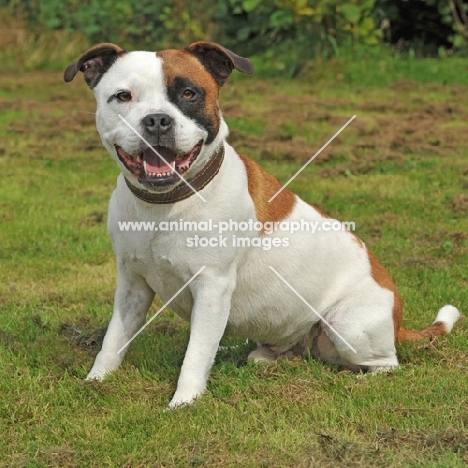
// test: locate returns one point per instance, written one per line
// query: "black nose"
(157, 123)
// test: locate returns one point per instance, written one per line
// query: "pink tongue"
(155, 164)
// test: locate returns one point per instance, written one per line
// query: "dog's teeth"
(158, 174)
(139, 159)
(144, 165)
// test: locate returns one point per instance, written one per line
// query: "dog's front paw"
(179, 399)
(96, 375)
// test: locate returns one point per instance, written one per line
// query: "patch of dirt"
(383, 131)
(381, 107)
(427, 441)
(82, 334)
(459, 204)
(63, 456)
(405, 85)
(42, 119)
(8, 340)
(459, 237)
(332, 450)
(93, 219)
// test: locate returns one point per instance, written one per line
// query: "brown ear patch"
(219, 61)
(262, 186)
(94, 63)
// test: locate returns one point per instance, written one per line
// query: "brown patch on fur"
(383, 278)
(180, 63)
(262, 186)
(436, 329)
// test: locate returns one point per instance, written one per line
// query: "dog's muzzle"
(158, 166)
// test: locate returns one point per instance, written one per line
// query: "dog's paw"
(262, 354)
(179, 399)
(96, 375)
(375, 370)
(180, 402)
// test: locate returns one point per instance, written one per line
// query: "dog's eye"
(124, 96)
(188, 94)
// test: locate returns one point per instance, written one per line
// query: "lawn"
(399, 171)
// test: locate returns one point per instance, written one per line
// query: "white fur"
(448, 315)
(237, 292)
(141, 73)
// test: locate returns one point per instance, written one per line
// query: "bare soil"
(405, 119)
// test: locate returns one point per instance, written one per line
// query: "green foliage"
(129, 22)
(296, 29)
(253, 25)
(306, 26)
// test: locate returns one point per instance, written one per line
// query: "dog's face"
(167, 100)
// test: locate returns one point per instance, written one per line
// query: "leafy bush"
(423, 27)
(135, 22)
(325, 23)
(289, 31)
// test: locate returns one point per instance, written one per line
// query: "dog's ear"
(219, 61)
(94, 63)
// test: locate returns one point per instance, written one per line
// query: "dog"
(323, 295)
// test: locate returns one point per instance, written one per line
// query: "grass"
(399, 171)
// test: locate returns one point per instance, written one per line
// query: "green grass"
(399, 171)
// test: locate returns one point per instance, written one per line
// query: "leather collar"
(182, 191)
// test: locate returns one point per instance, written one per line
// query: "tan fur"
(262, 186)
(436, 329)
(383, 278)
(180, 63)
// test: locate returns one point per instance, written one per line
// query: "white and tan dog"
(323, 294)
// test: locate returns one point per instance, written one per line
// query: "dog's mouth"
(158, 165)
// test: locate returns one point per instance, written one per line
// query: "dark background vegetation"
(295, 30)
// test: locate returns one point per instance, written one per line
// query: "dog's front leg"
(132, 300)
(212, 303)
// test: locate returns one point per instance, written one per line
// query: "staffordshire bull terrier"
(293, 292)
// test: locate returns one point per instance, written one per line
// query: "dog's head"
(157, 113)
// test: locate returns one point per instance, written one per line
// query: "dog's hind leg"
(318, 345)
(133, 298)
(362, 336)
(355, 335)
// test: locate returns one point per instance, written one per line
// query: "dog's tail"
(442, 325)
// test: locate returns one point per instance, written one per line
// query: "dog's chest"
(165, 257)
(159, 258)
